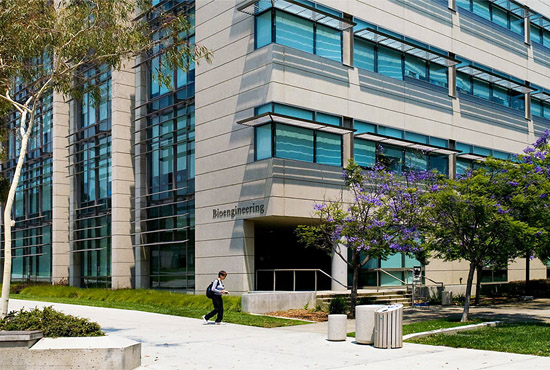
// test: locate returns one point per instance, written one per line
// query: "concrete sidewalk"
(170, 342)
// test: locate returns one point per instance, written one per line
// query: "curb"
(451, 330)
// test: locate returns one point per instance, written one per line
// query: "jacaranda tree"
(45, 44)
(379, 219)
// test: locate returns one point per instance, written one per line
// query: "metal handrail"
(436, 282)
(294, 276)
(395, 277)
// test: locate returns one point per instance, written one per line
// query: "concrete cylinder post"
(337, 325)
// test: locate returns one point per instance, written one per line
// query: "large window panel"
(364, 152)
(516, 24)
(546, 38)
(328, 149)
(263, 29)
(463, 83)
(415, 160)
(546, 110)
(294, 31)
(500, 96)
(294, 143)
(536, 34)
(482, 8)
(438, 75)
(363, 54)
(416, 68)
(263, 142)
(500, 17)
(481, 89)
(536, 107)
(328, 43)
(390, 63)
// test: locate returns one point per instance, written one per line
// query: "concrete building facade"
(167, 186)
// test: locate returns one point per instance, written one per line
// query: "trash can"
(364, 323)
(388, 327)
(446, 298)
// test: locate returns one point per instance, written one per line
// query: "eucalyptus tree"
(44, 44)
(380, 219)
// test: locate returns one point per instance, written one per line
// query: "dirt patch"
(302, 314)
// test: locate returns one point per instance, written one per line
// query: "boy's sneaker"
(205, 322)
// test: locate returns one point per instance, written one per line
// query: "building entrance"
(276, 248)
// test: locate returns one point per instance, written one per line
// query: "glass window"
(389, 131)
(463, 82)
(462, 166)
(517, 100)
(466, 4)
(328, 149)
(294, 143)
(439, 163)
(500, 16)
(481, 8)
(328, 118)
(287, 110)
(328, 43)
(481, 89)
(364, 152)
(390, 157)
(294, 31)
(516, 24)
(363, 127)
(263, 142)
(536, 35)
(536, 107)
(363, 54)
(417, 138)
(415, 160)
(389, 63)
(500, 96)
(438, 75)
(263, 29)
(546, 38)
(546, 110)
(416, 68)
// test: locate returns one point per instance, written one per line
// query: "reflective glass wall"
(31, 236)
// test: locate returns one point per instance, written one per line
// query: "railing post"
(315, 280)
(293, 280)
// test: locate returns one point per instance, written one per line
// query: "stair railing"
(293, 277)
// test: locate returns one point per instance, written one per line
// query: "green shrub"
(435, 297)
(366, 300)
(51, 322)
(338, 305)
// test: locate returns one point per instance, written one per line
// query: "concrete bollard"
(364, 323)
(446, 298)
(337, 327)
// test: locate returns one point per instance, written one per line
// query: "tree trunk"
(468, 293)
(354, 285)
(7, 218)
(527, 273)
(479, 270)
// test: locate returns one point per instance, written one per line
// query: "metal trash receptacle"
(388, 327)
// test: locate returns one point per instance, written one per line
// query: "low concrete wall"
(262, 302)
(108, 352)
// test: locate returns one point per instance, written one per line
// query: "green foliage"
(526, 338)
(142, 296)
(537, 288)
(459, 299)
(337, 305)
(435, 297)
(51, 322)
(166, 303)
(366, 300)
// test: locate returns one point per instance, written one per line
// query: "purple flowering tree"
(524, 187)
(380, 218)
(464, 220)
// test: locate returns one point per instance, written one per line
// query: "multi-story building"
(161, 187)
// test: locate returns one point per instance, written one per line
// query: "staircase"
(364, 296)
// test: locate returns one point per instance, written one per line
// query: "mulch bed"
(302, 314)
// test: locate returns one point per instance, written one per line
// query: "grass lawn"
(186, 305)
(429, 325)
(524, 338)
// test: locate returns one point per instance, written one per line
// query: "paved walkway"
(170, 342)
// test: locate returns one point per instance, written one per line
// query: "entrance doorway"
(276, 247)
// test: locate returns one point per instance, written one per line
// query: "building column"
(347, 43)
(452, 80)
(141, 254)
(527, 26)
(122, 177)
(60, 191)
(339, 269)
(452, 4)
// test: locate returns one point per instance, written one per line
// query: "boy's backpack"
(209, 293)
